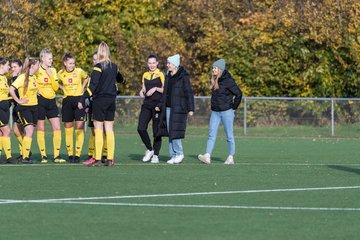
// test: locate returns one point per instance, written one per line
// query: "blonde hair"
(29, 61)
(44, 52)
(214, 81)
(103, 54)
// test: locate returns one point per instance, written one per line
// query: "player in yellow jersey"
(16, 69)
(47, 84)
(27, 101)
(72, 81)
(5, 130)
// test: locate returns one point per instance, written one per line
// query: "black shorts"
(70, 110)
(15, 115)
(28, 115)
(103, 109)
(4, 112)
(47, 108)
(89, 113)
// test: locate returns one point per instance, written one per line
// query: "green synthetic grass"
(262, 163)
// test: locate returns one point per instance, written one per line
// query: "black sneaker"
(103, 159)
(12, 161)
(26, 161)
(71, 159)
(76, 159)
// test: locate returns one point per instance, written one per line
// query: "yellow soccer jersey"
(72, 81)
(47, 86)
(31, 93)
(4, 88)
(151, 76)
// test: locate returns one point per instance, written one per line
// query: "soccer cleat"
(155, 159)
(109, 163)
(59, 160)
(204, 158)
(12, 161)
(71, 159)
(229, 160)
(148, 155)
(103, 159)
(76, 159)
(97, 163)
(44, 160)
(178, 158)
(26, 161)
(90, 161)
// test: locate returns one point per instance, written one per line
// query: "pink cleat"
(89, 161)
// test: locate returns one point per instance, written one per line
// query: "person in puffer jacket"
(225, 99)
(176, 104)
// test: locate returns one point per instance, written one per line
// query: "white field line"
(177, 194)
(188, 164)
(208, 206)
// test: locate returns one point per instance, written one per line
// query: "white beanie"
(175, 60)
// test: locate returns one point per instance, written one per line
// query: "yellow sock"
(91, 146)
(26, 145)
(7, 146)
(105, 148)
(41, 142)
(57, 143)
(69, 140)
(79, 141)
(20, 140)
(99, 141)
(110, 139)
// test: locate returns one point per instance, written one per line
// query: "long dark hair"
(29, 61)
(66, 57)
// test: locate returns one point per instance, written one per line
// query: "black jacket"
(182, 102)
(103, 81)
(228, 96)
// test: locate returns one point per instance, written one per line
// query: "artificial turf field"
(279, 188)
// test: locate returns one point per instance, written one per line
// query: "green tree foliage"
(306, 48)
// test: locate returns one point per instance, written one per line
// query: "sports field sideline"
(279, 188)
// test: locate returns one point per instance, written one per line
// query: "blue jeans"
(175, 145)
(227, 118)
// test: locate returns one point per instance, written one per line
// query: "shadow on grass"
(345, 168)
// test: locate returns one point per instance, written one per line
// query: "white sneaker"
(205, 158)
(171, 161)
(148, 155)
(229, 160)
(155, 159)
(178, 158)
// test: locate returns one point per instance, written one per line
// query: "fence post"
(332, 118)
(245, 130)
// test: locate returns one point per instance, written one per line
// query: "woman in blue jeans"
(225, 99)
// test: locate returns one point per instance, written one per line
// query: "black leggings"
(148, 113)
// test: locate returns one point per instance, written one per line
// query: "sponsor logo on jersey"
(46, 80)
(70, 80)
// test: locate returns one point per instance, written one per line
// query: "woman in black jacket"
(225, 99)
(177, 102)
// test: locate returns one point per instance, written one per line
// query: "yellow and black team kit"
(47, 87)
(27, 112)
(147, 113)
(103, 90)
(5, 142)
(72, 87)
